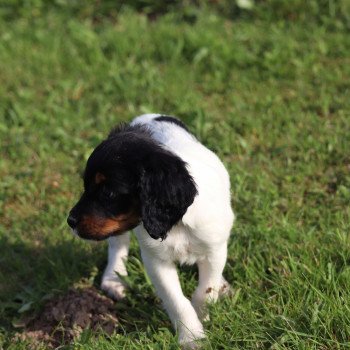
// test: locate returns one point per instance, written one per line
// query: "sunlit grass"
(271, 97)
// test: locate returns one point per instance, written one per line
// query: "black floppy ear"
(166, 191)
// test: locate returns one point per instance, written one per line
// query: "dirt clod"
(64, 318)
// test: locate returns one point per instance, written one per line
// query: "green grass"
(267, 90)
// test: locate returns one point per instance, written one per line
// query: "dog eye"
(107, 194)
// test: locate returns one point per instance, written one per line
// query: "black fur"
(138, 169)
(166, 191)
(169, 119)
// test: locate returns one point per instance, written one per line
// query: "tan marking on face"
(99, 228)
(99, 177)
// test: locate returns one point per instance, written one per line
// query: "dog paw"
(212, 294)
(191, 339)
(225, 288)
(114, 287)
(191, 342)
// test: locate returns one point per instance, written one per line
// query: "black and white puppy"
(153, 176)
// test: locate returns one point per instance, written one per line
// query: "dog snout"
(72, 221)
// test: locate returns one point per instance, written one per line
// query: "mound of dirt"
(65, 317)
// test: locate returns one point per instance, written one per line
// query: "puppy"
(154, 176)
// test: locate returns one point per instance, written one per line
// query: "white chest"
(179, 246)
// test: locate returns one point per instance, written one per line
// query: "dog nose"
(72, 221)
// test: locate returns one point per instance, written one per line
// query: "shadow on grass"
(31, 273)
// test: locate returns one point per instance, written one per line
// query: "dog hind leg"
(211, 282)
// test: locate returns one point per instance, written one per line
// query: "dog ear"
(166, 191)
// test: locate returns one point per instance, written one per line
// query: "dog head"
(129, 178)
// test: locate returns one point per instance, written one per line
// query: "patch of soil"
(65, 317)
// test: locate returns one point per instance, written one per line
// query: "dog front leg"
(118, 250)
(180, 310)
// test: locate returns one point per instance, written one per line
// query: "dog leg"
(211, 282)
(118, 249)
(182, 314)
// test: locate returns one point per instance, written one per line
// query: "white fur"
(200, 237)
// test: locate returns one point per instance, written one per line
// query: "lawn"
(266, 88)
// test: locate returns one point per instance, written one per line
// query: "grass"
(267, 91)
